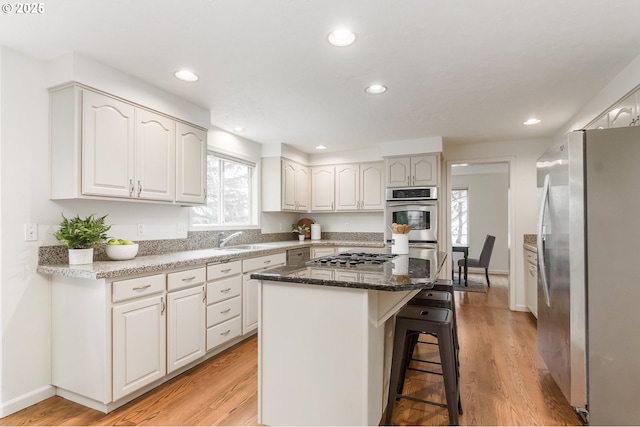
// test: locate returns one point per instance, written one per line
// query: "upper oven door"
(421, 216)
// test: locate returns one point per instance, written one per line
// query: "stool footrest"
(415, 399)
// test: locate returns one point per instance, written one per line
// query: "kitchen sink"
(244, 247)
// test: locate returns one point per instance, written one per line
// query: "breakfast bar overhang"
(325, 335)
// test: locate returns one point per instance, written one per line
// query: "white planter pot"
(301, 237)
(80, 256)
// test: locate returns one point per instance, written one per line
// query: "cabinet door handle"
(225, 311)
(225, 332)
(204, 294)
(131, 188)
(139, 188)
(226, 270)
(331, 205)
(224, 291)
(163, 306)
(413, 182)
(188, 279)
(141, 288)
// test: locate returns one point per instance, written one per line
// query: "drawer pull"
(225, 290)
(141, 288)
(267, 261)
(225, 332)
(226, 270)
(225, 311)
(188, 279)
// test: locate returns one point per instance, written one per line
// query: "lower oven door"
(421, 216)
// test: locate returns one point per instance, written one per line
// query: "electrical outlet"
(140, 229)
(30, 232)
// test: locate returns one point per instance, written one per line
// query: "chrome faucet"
(221, 242)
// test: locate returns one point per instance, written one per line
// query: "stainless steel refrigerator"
(589, 272)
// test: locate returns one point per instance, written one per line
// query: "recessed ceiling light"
(341, 37)
(321, 147)
(531, 121)
(186, 75)
(376, 89)
(239, 129)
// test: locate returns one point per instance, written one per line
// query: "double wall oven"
(416, 206)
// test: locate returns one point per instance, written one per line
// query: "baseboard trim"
(21, 402)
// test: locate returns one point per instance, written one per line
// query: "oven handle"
(415, 202)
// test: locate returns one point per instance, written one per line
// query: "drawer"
(259, 263)
(219, 334)
(532, 257)
(225, 269)
(319, 273)
(220, 290)
(184, 279)
(223, 311)
(142, 286)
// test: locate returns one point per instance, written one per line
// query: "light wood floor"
(503, 380)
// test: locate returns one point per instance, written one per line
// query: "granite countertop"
(174, 260)
(417, 270)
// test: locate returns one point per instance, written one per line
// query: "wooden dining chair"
(483, 261)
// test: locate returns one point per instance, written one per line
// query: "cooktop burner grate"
(352, 259)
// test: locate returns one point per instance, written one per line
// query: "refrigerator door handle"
(540, 240)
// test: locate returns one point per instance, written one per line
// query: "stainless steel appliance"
(416, 206)
(298, 256)
(589, 265)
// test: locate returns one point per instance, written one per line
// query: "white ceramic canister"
(400, 243)
(315, 232)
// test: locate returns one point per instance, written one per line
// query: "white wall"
(488, 214)
(24, 190)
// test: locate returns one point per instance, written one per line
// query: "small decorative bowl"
(122, 252)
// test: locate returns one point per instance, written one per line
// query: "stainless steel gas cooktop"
(351, 260)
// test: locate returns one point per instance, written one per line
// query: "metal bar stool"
(414, 320)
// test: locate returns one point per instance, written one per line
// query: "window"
(460, 216)
(230, 194)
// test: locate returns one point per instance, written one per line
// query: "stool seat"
(416, 319)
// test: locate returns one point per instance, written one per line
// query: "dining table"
(464, 249)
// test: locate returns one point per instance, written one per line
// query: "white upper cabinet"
(191, 164)
(322, 188)
(103, 146)
(372, 186)
(347, 187)
(108, 146)
(295, 186)
(413, 171)
(155, 156)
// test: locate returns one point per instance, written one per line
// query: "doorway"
(478, 203)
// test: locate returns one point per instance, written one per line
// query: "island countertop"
(417, 270)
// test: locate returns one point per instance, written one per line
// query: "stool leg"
(399, 346)
(449, 374)
(411, 339)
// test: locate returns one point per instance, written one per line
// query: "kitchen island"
(325, 335)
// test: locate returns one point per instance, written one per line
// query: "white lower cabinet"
(224, 303)
(139, 348)
(322, 251)
(250, 287)
(185, 327)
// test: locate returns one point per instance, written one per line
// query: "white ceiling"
(469, 70)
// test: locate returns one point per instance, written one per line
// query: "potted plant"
(301, 230)
(80, 235)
